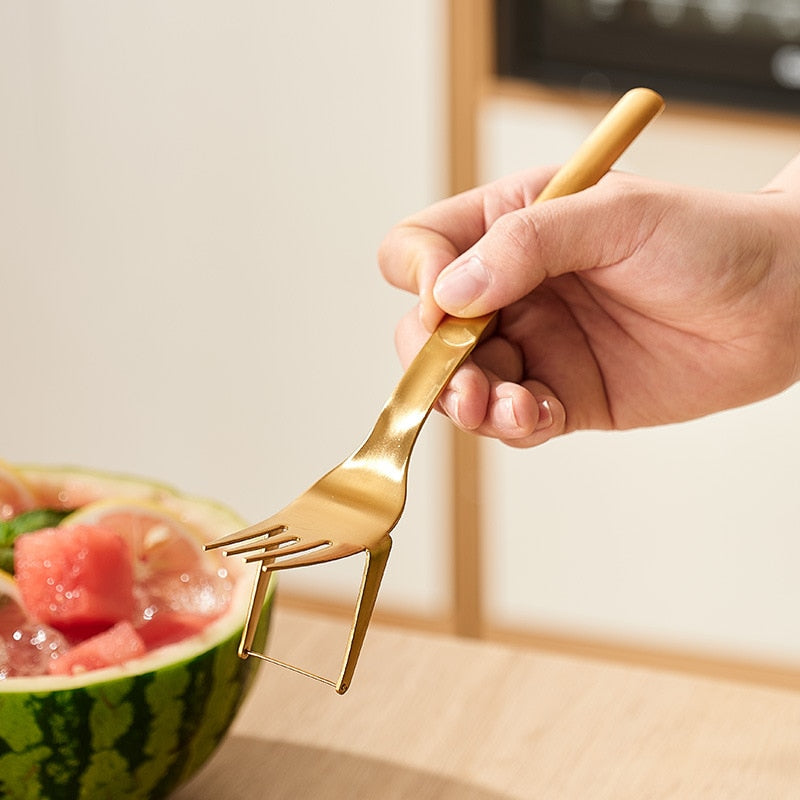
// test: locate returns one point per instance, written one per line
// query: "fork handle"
(605, 144)
(399, 422)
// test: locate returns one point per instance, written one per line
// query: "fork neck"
(399, 423)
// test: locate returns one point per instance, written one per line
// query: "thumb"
(597, 227)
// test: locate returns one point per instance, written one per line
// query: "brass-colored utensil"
(354, 507)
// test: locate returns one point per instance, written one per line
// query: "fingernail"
(461, 284)
(505, 413)
(449, 402)
(545, 415)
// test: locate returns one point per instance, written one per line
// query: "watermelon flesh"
(168, 627)
(117, 645)
(86, 603)
(80, 576)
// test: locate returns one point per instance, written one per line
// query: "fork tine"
(265, 528)
(267, 542)
(288, 550)
(319, 556)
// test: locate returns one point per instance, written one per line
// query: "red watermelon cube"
(114, 646)
(78, 577)
(168, 627)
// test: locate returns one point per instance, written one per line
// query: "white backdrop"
(191, 199)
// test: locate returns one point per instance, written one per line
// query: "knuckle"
(518, 229)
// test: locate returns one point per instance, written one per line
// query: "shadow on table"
(246, 767)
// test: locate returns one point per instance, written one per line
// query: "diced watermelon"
(11, 616)
(168, 627)
(78, 577)
(115, 646)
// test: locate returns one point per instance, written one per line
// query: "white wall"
(686, 536)
(191, 198)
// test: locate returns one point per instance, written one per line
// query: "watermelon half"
(138, 729)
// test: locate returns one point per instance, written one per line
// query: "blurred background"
(191, 200)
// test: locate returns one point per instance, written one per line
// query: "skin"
(633, 303)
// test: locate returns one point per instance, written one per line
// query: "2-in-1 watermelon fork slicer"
(355, 506)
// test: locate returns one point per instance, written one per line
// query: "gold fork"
(354, 507)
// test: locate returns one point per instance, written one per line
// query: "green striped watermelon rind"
(123, 733)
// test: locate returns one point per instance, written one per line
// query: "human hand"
(632, 303)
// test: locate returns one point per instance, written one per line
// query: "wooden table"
(430, 717)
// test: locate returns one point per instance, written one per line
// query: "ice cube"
(199, 592)
(29, 649)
